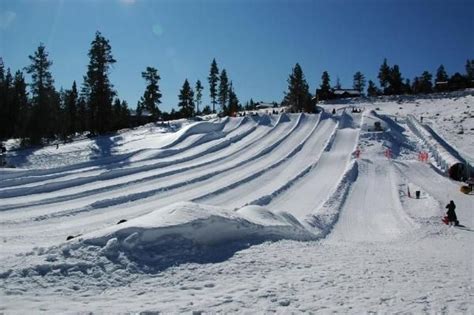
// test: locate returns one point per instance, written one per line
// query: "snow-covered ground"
(269, 213)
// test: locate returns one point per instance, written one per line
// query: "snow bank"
(204, 225)
(324, 219)
(180, 233)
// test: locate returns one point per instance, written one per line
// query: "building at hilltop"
(336, 94)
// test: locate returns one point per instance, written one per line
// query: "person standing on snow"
(452, 218)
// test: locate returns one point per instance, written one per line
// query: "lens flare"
(157, 30)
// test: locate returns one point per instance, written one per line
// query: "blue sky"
(256, 41)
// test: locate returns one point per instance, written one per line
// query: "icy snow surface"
(269, 213)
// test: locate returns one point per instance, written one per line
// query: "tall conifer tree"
(186, 100)
(372, 89)
(151, 98)
(198, 95)
(441, 75)
(223, 93)
(71, 110)
(298, 96)
(325, 86)
(384, 75)
(213, 79)
(97, 89)
(359, 82)
(44, 94)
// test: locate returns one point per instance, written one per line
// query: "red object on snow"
(445, 220)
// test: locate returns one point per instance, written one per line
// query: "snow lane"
(440, 187)
(140, 157)
(142, 190)
(279, 176)
(151, 142)
(373, 211)
(308, 194)
(88, 180)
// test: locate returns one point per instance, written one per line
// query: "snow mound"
(205, 225)
(203, 127)
(265, 120)
(183, 232)
(346, 121)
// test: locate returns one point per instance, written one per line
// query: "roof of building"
(343, 91)
(264, 105)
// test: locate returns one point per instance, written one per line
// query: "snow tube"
(457, 171)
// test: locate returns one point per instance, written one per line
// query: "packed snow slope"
(280, 213)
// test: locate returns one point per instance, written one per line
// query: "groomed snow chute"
(446, 157)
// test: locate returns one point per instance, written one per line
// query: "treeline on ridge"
(37, 113)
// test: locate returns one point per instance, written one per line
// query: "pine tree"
(198, 95)
(151, 98)
(324, 87)
(206, 110)
(384, 75)
(423, 84)
(470, 73)
(233, 106)
(186, 100)
(458, 82)
(56, 120)
(213, 79)
(5, 102)
(97, 89)
(416, 87)
(223, 92)
(82, 122)
(297, 96)
(426, 84)
(43, 92)
(71, 110)
(2, 71)
(470, 69)
(138, 112)
(359, 82)
(3, 107)
(407, 87)
(20, 101)
(372, 90)
(395, 81)
(252, 104)
(441, 75)
(441, 80)
(10, 107)
(117, 113)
